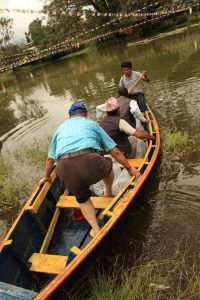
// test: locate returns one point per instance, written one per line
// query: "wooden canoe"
(45, 249)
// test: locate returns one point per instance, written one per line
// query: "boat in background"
(48, 245)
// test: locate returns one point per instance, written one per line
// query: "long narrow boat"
(46, 248)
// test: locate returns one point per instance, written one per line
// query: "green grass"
(13, 186)
(16, 183)
(168, 279)
(35, 154)
(6, 76)
(124, 286)
(78, 53)
(179, 144)
(3, 169)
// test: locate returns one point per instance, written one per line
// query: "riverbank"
(172, 278)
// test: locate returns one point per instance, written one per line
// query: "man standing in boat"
(75, 147)
(128, 80)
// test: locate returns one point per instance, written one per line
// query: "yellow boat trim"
(40, 197)
(50, 231)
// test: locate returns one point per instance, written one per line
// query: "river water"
(35, 100)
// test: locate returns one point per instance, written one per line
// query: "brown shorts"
(78, 173)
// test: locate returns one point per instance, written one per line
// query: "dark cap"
(77, 108)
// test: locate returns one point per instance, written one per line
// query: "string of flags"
(98, 14)
(73, 44)
(88, 13)
(23, 11)
(72, 39)
(73, 13)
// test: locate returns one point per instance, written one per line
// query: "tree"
(6, 32)
(38, 33)
(60, 25)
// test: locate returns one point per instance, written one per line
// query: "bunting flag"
(23, 11)
(72, 43)
(88, 13)
(73, 13)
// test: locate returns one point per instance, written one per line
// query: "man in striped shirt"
(127, 81)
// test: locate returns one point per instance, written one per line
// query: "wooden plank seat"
(70, 201)
(47, 263)
(136, 162)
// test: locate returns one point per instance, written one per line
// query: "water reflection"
(173, 63)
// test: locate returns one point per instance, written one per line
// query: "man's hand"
(45, 179)
(149, 121)
(145, 76)
(144, 73)
(48, 169)
(133, 172)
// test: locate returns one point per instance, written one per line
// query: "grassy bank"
(169, 279)
(178, 145)
(20, 172)
(78, 53)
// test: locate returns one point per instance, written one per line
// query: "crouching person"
(75, 146)
(121, 131)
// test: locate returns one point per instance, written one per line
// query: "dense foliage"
(5, 31)
(62, 25)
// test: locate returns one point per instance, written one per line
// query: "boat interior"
(49, 232)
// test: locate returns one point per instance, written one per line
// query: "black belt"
(77, 153)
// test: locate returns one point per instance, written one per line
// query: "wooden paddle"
(136, 82)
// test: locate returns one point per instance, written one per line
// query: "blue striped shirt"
(79, 133)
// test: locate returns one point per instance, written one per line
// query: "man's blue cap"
(77, 108)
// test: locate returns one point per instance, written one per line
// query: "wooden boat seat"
(47, 263)
(70, 201)
(136, 162)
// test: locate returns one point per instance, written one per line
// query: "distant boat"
(49, 244)
(158, 36)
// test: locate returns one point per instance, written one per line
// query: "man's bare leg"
(108, 181)
(89, 213)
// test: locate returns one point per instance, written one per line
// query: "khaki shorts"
(78, 173)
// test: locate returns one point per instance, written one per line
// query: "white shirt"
(127, 82)
(126, 128)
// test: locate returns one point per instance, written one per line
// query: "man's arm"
(100, 110)
(138, 132)
(48, 168)
(143, 135)
(117, 154)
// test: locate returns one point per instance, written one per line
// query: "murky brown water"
(36, 99)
